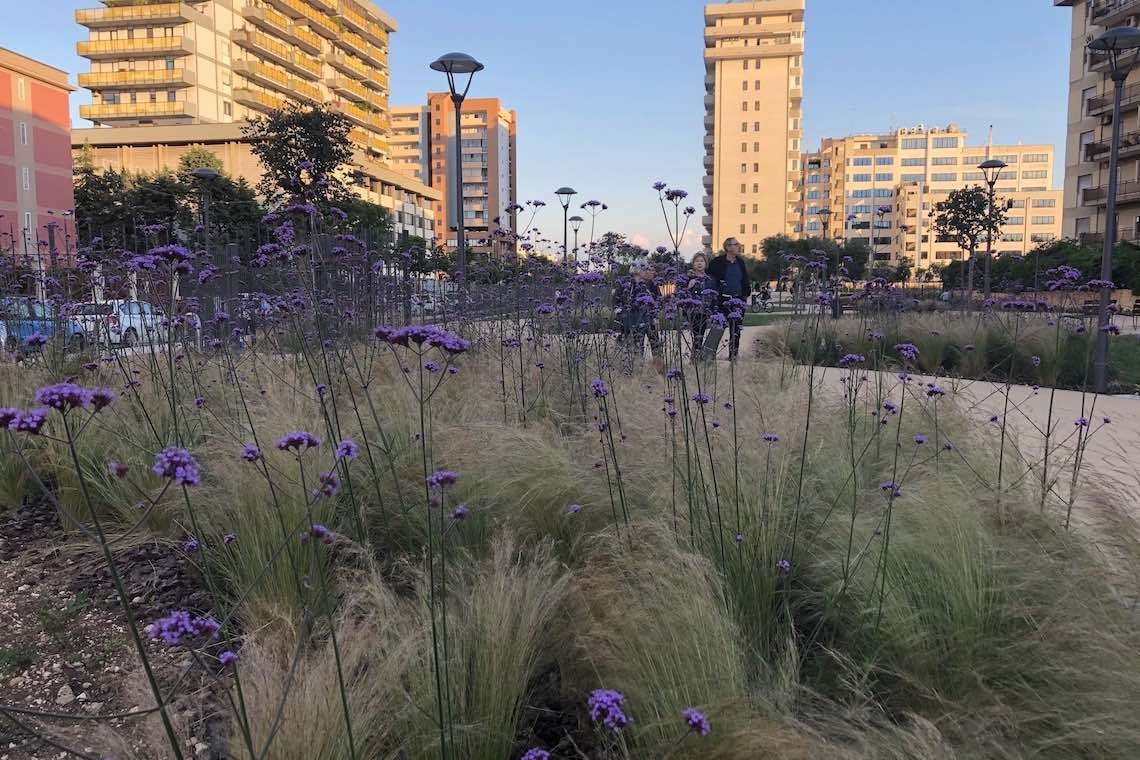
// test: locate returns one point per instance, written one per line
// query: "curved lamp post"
(564, 195)
(459, 65)
(991, 170)
(576, 224)
(1121, 45)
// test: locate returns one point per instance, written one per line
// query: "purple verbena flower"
(696, 721)
(250, 453)
(298, 440)
(347, 449)
(770, 437)
(227, 658)
(598, 386)
(606, 706)
(177, 464)
(460, 513)
(180, 626)
(62, 396)
(442, 478)
(783, 568)
(117, 468)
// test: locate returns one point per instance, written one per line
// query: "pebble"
(23, 588)
(65, 696)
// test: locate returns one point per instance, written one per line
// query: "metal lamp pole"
(576, 224)
(991, 170)
(564, 195)
(1121, 45)
(824, 215)
(453, 64)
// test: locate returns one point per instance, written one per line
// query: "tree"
(304, 152)
(966, 217)
(852, 256)
(197, 157)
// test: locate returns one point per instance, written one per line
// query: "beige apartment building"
(753, 95)
(168, 75)
(882, 189)
(423, 147)
(1089, 129)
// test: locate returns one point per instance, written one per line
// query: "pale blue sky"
(610, 93)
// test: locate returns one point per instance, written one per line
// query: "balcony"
(1103, 104)
(362, 24)
(268, 76)
(1126, 192)
(320, 23)
(369, 141)
(100, 112)
(258, 100)
(349, 89)
(363, 117)
(1129, 146)
(266, 47)
(268, 19)
(363, 48)
(136, 80)
(347, 64)
(306, 40)
(144, 47)
(164, 14)
(788, 50)
(1111, 12)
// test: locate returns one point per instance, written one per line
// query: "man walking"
(730, 271)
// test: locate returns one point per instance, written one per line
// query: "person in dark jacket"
(730, 270)
(637, 300)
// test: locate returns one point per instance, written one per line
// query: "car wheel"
(130, 338)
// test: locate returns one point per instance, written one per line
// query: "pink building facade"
(37, 198)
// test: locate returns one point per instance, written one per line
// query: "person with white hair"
(636, 302)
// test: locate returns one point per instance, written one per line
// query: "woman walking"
(701, 287)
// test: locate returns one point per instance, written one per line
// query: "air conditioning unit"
(919, 128)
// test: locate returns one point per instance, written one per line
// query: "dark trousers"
(734, 328)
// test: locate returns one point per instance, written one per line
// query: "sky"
(610, 94)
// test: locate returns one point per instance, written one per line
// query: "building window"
(746, 64)
(1040, 237)
(813, 195)
(1044, 203)
(755, 187)
(744, 168)
(913, 143)
(912, 177)
(746, 85)
(1013, 237)
(861, 194)
(755, 229)
(743, 147)
(944, 160)
(755, 167)
(945, 142)
(27, 220)
(884, 192)
(756, 106)
(1036, 158)
(755, 126)
(914, 162)
(21, 92)
(744, 105)
(170, 64)
(860, 177)
(227, 108)
(1017, 204)
(1012, 220)
(1009, 158)
(755, 147)
(27, 178)
(171, 96)
(861, 161)
(743, 188)
(755, 208)
(1086, 95)
(743, 126)
(1042, 219)
(973, 176)
(884, 160)
(944, 177)
(1035, 174)
(884, 177)
(743, 208)
(23, 133)
(742, 229)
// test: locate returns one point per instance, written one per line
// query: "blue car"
(22, 317)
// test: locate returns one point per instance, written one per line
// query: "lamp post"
(1121, 45)
(991, 170)
(453, 64)
(564, 195)
(576, 224)
(205, 176)
(824, 215)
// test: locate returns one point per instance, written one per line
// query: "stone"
(65, 696)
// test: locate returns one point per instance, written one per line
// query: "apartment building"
(423, 143)
(753, 95)
(1089, 128)
(882, 189)
(173, 67)
(36, 196)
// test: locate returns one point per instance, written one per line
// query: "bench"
(1091, 307)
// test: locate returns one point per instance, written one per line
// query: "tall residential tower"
(1090, 126)
(167, 75)
(753, 93)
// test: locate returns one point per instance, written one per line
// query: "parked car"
(122, 323)
(21, 317)
(423, 304)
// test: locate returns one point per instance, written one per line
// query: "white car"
(122, 323)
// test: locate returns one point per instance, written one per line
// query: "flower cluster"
(64, 396)
(180, 627)
(598, 386)
(607, 707)
(442, 478)
(299, 441)
(319, 532)
(696, 721)
(178, 465)
(423, 334)
(347, 449)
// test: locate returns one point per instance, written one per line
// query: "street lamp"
(575, 224)
(206, 176)
(460, 64)
(824, 215)
(991, 170)
(564, 195)
(1121, 45)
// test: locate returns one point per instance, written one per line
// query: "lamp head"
(564, 195)
(576, 222)
(1121, 44)
(456, 63)
(991, 170)
(205, 173)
